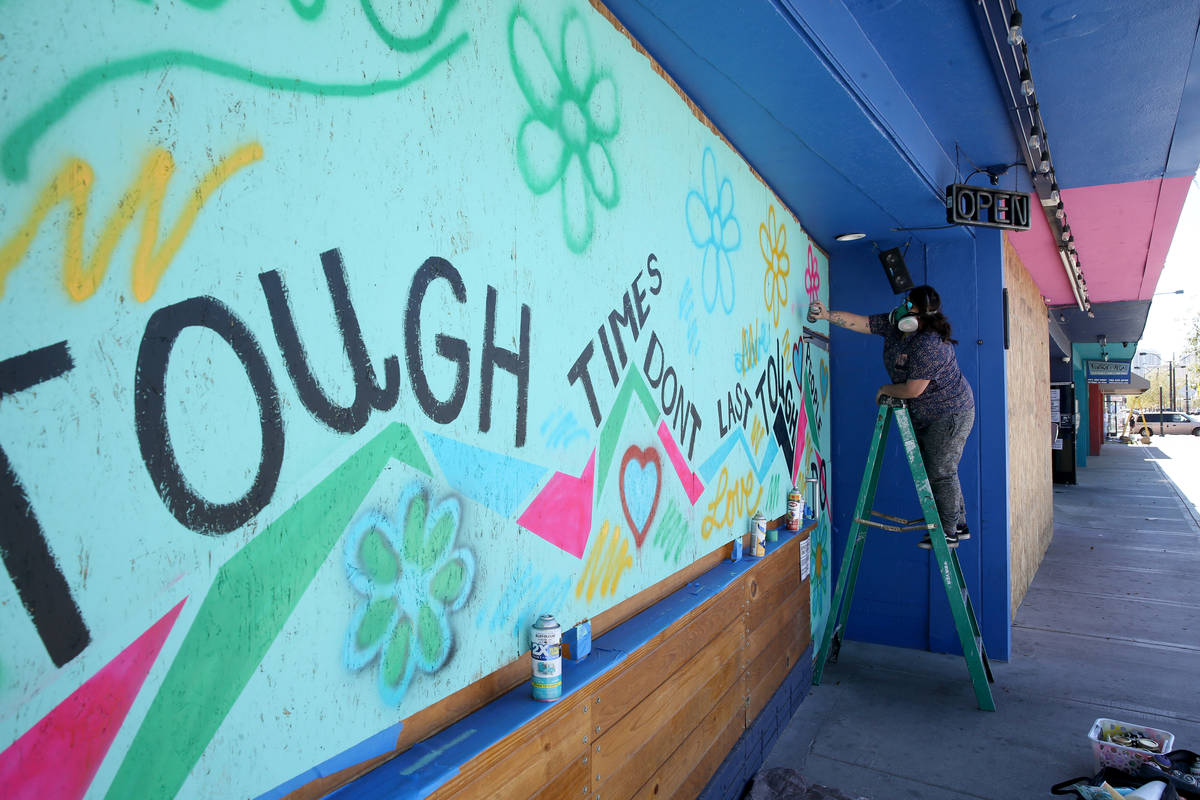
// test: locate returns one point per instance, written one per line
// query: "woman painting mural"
(918, 353)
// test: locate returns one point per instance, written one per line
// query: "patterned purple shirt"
(924, 356)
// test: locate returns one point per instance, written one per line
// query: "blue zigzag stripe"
(709, 468)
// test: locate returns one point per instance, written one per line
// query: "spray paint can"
(795, 508)
(759, 529)
(546, 655)
(810, 508)
(812, 315)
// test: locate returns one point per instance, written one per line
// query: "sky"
(1171, 315)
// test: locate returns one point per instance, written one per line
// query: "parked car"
(1166, 422)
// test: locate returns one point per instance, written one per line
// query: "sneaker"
(962, 532)
(951, 542)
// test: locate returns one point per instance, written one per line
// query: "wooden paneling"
(1030, 480)
(720, 726)
(700, 774)
(650, 733)
(661, 722)
(574, 781)
(520, 765)
(643, 671)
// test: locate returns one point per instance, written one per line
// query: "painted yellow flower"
(772, 241)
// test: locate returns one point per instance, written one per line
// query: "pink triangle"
(691, 483)
(562, 512)
(58, 757)
(798, 458)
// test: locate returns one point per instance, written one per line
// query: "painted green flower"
(409, 578)
(573, 113)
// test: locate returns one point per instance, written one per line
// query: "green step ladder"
(947, 559)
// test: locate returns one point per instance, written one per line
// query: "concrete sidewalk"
(1109, 628)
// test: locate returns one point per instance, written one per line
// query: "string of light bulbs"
(1010, 58)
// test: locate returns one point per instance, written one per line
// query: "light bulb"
(1044, 164)
(1015, 37)
(1035, 138)
(1026, 82)
(1060, 212)
(1055, 196)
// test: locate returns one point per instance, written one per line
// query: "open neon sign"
(990, 208)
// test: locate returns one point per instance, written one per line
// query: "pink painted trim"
(1122, 233)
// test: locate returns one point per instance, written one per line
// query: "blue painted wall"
(899, 600)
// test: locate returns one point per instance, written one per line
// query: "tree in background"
(1160, 377)
(1192, 351)
(1148, 400)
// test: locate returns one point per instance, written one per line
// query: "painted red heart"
(644, 458)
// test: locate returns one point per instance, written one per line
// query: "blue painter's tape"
(380, 743)
(577, 642)
(425, 767)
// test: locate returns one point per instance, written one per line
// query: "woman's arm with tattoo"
(843, 319)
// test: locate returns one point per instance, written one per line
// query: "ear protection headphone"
(907, 318)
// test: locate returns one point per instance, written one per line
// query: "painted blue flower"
(409, 577)
(715, 229)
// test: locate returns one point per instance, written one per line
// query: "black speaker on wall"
(896, 270)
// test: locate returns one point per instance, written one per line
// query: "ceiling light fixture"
(850, 237)
(1015, 37)
(1002, 27)
(1035, 139)
(1026, 82)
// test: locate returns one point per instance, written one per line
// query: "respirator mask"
(905, 317)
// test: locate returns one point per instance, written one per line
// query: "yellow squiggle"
(609, 558)
(731, 504)
(756, 434)
(73, 185)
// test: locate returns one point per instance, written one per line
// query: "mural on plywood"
(328, 367)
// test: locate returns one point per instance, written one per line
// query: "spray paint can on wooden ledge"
(795, 508)
(759, 530)
(546, 656)
(810, 502)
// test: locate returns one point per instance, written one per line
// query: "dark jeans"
(941, 442)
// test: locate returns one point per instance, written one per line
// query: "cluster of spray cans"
(546, 656)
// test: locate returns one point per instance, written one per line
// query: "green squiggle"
(14, 155)
(309, 12)
(408, 44)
